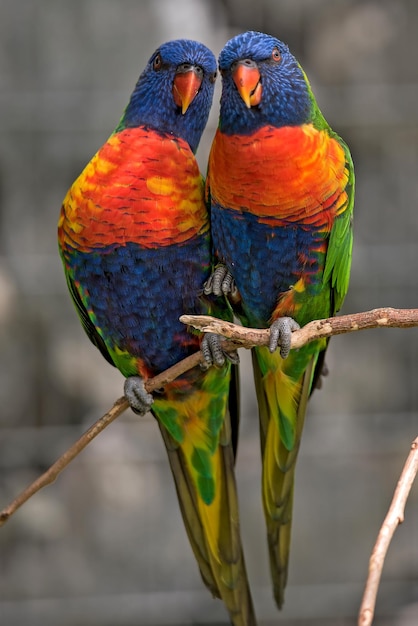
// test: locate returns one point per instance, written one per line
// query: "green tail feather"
(207, 494)
(224, 573)
(279, 462)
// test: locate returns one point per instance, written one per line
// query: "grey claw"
(139, 399)
(281, 335)
(208, 286)
(213, 353)
(228, 285)
(211, 350)
(221, 282)
(213, 286)
(218, 278)
(232, 357)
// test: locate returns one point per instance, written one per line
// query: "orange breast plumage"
(298, 174)
(141, 187)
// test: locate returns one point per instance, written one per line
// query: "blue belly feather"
(264, 261)
(138, 294)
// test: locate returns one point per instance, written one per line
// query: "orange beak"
(246, 76)
(186, 85)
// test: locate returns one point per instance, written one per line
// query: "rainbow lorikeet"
(281, 187)
(134, 238)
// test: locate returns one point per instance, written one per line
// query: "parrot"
(280, 184)
(134, 239)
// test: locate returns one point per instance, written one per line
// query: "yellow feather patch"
(160, 185)
(282, 394)
(194, 419)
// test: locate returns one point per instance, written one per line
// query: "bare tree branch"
(238, 337)
(394, 517)
(51, 474)
(117, 409)
(318, 329)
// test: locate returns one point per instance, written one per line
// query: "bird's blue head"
(174, 92)
(262, 84)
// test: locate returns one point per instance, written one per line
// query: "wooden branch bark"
(238, 337)
(117, 409)
(56, 468)
(318, 329)
(394, 517)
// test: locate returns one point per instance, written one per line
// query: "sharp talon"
(211, 349)
(207, 286)
(213, 353)
(281, 335)
(232, 357)
(221, 282)
(138, 397)
(218, 278)
(234, 296)
(204, 366)
(206, 353)
(228, 284)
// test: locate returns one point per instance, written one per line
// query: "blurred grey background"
(105, 545)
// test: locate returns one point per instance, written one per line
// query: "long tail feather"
(220, 558)
(277, 395)
(199, 431)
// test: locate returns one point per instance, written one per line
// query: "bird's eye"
(213, 76)
(157, 62)
(275, 55)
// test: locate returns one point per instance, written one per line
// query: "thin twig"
(394, 517)
(239, 337)
(51, 474)
(117, 409)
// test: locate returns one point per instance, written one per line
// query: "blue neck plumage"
(164, 116)
(290, 105)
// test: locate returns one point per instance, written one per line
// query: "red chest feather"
(290, 174)
(141, 187)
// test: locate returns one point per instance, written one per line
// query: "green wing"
(338, 259)
(86, 322)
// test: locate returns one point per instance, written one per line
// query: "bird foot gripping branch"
(281, 335)
(213, 352)
(221, 283)
(138, 397)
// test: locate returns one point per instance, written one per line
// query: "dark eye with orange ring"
(275, 55)
(213, 76)
(157, 62)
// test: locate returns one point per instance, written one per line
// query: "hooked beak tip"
(186, 86)
(248, 82)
